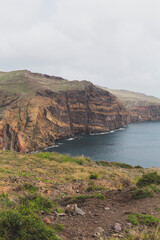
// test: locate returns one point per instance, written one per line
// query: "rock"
(46, 220)
(60, 214)
(99, 231)
(107, 208)
(117, 227)
(78, 210)
(69, 209)
(42, 212)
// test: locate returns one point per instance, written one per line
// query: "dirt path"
(105, 213)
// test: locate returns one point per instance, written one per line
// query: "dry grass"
(48, 169)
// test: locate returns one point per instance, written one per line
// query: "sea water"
(137, 144)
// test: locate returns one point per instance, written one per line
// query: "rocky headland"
(37, 109)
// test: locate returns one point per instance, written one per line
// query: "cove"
(137, 144)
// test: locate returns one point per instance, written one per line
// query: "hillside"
(36, 110)
(141, 107)
(39, 191)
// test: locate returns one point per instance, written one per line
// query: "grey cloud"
(109, 42)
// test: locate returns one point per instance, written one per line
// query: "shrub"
(37, 203)
(30, 188)
(122, 165)
(5, 200)
(15, 225)
(148, 179)
(92, 187)
(94, 176)
(141, 193)
(136, 218)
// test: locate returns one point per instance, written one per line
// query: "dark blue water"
(138, 144)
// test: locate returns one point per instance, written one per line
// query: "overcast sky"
(113, 43)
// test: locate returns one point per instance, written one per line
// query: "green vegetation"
(145, 234)
(37, 203)
(19, 225)
(83, 197)
(93, 187)
(148, 179)
(141, 193)
(60, 210)
(136, 219)
(58, 227)
(30, 188)
(23, 221)
(147, 186)
(93, 176)
(116, 164)
(63, 158)
(36, 186)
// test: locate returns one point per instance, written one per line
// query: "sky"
(112, 43)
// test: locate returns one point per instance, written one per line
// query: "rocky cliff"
(141, 107)
(36, 110)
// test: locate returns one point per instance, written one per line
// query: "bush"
(15, 225)
(37, 203)
(141, 193)
(94, 176)
(148, 179)
(136, 219)
(30, 188)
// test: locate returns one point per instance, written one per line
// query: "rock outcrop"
(139, 106)
(36, 110)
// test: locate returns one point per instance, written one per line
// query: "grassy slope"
(25, 83)
(53, 175)
(132, 99)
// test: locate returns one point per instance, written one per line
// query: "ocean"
(137, 144)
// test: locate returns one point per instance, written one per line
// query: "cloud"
(111, 43)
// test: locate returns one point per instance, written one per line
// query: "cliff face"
(36, 109)
(140, 107)
(61, 109)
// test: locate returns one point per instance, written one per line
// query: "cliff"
(36, 110)
(140, 107)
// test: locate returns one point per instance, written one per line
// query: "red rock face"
(145, 113)
(33, 124)
(51, 108)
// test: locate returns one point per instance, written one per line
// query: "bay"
(137, 144)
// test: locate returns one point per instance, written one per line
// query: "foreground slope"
(43, 188)
(36, 110)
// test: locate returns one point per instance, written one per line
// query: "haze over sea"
(137, 144)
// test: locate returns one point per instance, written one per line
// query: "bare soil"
(105, 213)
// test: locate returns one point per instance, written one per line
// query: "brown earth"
(105, 214)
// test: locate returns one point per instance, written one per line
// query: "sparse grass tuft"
(83, 197)
(58, 227)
